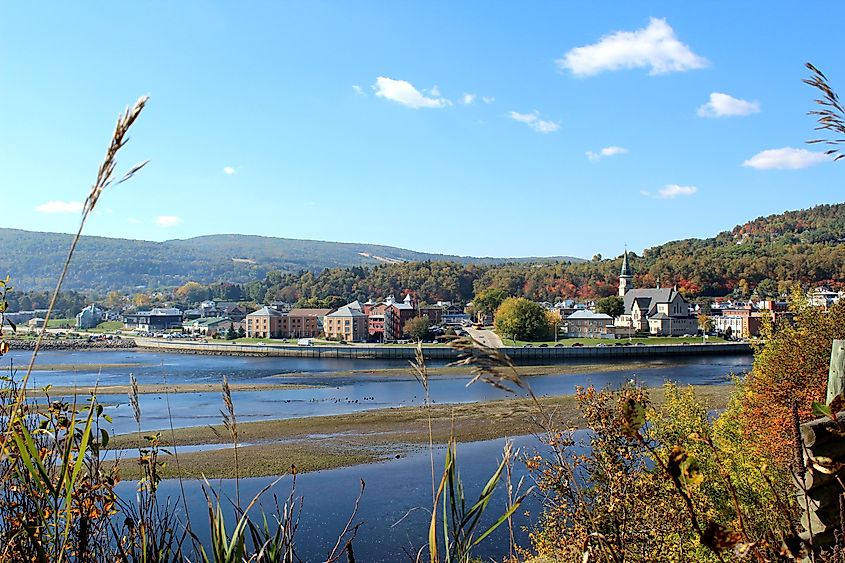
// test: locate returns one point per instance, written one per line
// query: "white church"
(657, 311)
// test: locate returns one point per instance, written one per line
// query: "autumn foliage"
(792, 366)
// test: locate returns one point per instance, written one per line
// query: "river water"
(396, 488)
(327, 393)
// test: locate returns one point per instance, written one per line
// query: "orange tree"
(792, 365)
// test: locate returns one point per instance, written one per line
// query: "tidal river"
(395, 507)
(316, 387)
(303, 387)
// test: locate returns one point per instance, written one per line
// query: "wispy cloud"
(133, 221)
(655, 47)
(723, 105)
(488, 99)
(606, 151)
(166, 221)
(358, 90)
(60, 207)
(403, 92)
(533, 120)
(786, 158)
(671, 191)
(468, 99)
(228, 170)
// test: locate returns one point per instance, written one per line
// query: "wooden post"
(836, 375)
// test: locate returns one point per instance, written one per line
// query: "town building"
(587, 324)
(823, 297)
(386, 320)
(657, 311)
(746, 320)
(266, 322)
(207, 326)
(349, 323)
(89, 317)
(156, 319)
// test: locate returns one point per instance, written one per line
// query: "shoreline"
(377, 352)
(327, 442)
(74, 344)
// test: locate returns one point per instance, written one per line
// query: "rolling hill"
(33, 259)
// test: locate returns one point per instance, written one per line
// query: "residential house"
(433, 312)
(232, 309)
(455, 315)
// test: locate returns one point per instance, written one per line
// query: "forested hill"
(34, 259)
(767, 256)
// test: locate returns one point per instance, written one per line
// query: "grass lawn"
(61, 323)
(108, 326)
(654, 340)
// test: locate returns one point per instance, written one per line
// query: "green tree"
(705, 323)
(489, 300)
(191, 292)
(612, 305)
(521, 319)
(114, 299)
(417, 328)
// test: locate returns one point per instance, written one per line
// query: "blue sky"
(479, 128)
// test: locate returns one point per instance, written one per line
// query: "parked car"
(577, 345)
(543, 346)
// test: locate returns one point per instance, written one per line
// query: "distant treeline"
(765, 256)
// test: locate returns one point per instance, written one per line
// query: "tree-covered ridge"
(34, 259)
(767, 256)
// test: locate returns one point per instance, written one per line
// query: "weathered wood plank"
(836, 373)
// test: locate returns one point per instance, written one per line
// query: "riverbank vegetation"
(668, 477)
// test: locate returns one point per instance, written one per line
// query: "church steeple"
(626, 267)
(626, 276)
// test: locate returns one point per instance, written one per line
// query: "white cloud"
(228, 170)
(166, 221)
(488, 99)
(358, 90)
(723, 105)
(403, 92)
(606, 151)
(671, 191)
(786, 158)
(468, 99)
(533, 120)
(655, 47)
(133, 221)
(60, 207)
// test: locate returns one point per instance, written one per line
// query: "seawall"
(532, 355)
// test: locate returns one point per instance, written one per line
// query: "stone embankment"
(444, 353)
(72, 344)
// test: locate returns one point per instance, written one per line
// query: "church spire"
(626, 276)
(626, 267)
